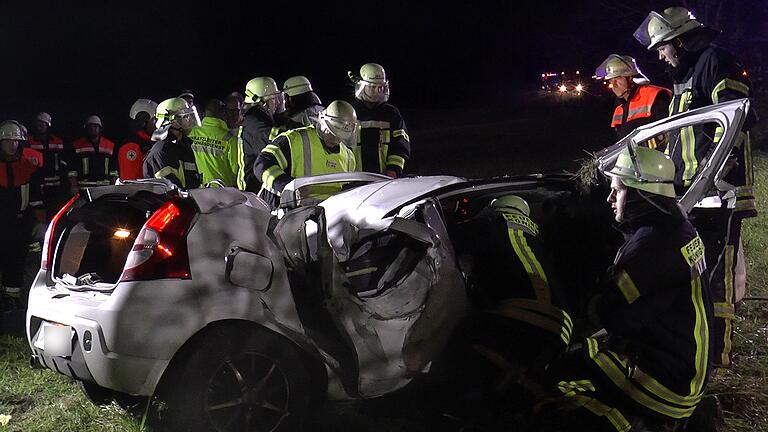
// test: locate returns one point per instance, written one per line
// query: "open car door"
(725, 120)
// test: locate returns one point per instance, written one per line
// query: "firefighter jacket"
(130, 157)
(174, 160)
(511, 275)
(301, 110)
(258, 129)
(710, 75)
(383, 143)
(645, 104)
(217, 152)
(54, 162)
(298, 153)
(94, 164)
(20, 185)
(657, 312)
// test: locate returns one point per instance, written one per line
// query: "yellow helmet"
(297, 85)
(645, 169)
(658, 28)
(618, 65)
(513, 203)
(260, 88)
(176, 110)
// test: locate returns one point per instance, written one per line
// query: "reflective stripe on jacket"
(217, 151)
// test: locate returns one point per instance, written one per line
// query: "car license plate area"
(55, 339)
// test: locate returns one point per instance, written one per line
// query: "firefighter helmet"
(176, 110)
(12, 130)
(260, 88)
(297, 85)
(617, 65)
(511, 202)
(645, 169)
(143, 105)
(340, 120)
(94, 119)
(372, 84)
(658, 28)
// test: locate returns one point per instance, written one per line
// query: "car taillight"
(160, 250)
(48, 244)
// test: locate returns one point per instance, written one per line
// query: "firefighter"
(171, 157)
(654, 306)
(263, 103)
(130, 157)
(383, 145)
(308, 151)
(54, 162)
(520, 321)
(233, 104)
(302, 105)
(705, 75)
(21, 206)
(217, 153)
(94, 162)
(638, 102)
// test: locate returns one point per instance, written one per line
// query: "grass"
(42, 401)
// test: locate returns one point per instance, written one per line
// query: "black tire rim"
(248, 393)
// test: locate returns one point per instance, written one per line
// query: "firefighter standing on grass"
(706, 75)
(638, 102)
(308, 151)
(21, 206)
(172, 157)
(383, 145)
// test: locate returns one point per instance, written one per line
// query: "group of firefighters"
(667, 303)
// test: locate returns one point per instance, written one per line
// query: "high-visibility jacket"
(258, 129)
(298, 153)
(20, 184)
(656, 309)
(55, 167)
(94, 164)
(712, 77)
(383, 143)
(645, 104)
(130, 156)
(218, 154)
(174, 160)
(512, 275)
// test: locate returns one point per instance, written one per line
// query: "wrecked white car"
(237, 317)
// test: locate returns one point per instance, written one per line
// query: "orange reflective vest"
(639, 106)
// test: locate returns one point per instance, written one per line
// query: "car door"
(707, 186)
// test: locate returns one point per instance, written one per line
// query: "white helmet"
(45, 118)
(658, 28)
(339, 120)
(617, 65)
(372, 84)
(94, 119)
(297, 85)
(143, 105)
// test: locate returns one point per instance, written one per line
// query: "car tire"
(236, 379)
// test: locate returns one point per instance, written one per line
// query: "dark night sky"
(78, 58)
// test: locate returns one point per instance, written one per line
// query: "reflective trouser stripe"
(307, 152)
(532, 266)
(726, 308)
(627, 287)
(617, 419)
(700, 335)
(730, 84)
(86, 166)
(747, 145)
(636, 384)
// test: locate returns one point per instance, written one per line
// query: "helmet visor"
(343, 129)
(188, 118)
(372, 92)
(653, 29)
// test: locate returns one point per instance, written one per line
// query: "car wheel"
(237, 380)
